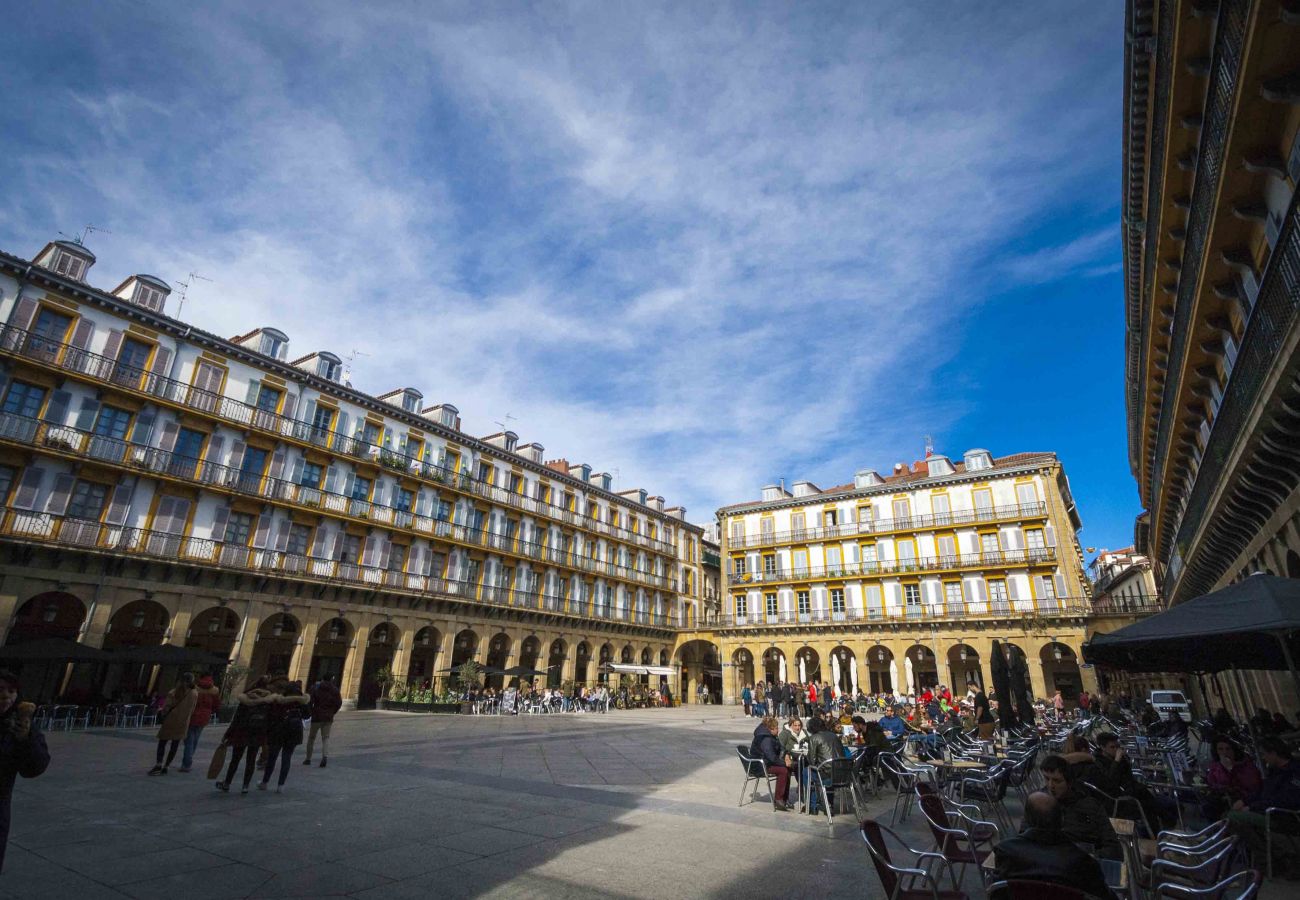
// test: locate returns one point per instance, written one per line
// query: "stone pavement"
(628, 804)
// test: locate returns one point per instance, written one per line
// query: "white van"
(1164, 701)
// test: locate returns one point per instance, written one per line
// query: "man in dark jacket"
(325, 702)
(1084, 820)
(1280, 789)
(767, 747)
(22, 749)
(1114, 776)
(1044, 852)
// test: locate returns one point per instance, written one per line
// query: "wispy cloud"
(1086, 255)
(704, 245)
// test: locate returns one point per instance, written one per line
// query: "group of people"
(268, 723)
(824, 737)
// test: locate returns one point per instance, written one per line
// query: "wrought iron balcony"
(66, 440)
(141, 543)
(986, 560)
(919, 612)
(881, 526)
(151, 385)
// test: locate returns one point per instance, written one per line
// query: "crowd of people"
(529, 696)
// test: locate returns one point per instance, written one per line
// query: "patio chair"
(1243, 885)
(834, 776)
(61, 718)
(1203, 868)
(756, 772)
(1288, 819)
(109, 715)
(960, 846)
(132, 715)
(79, 717)
(1123, 807)
(1211, 832)
(905, 780)
(1025, 889)
(918, 881)
(989, 790)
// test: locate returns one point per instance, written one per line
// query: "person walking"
(1058, 705)
(284, 732)
(325, 702)
(207, 702)
(247, 732)
(175, 718)
(22, 749)
(747, 698)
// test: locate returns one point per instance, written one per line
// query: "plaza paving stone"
(629, 804)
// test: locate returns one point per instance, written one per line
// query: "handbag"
(218, 761)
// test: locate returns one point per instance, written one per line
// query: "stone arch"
(464, 647)
(882, 670)
(555, 657)
(606, 658)
(52, 614)
(774, 665)
(663, 657)
(214, 630)
(330, 653)
(140, 623)
(529, 652)
(1060, 670)
(626, 655)
(963, 666)
(381, 646)
(699, 663)
(582, 663)
(742, 664)
(498, 655)
(807, 665)
(922, 668)
(844, 670)
(277, 636)
(424, 655)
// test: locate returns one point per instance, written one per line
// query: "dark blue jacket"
(1281, 787)
(766, 747)
(27, 758)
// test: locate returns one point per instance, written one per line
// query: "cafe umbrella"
(1002, 688)
(1020, 687)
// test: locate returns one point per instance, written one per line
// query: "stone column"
(402, 655)
(95, 628)
(179, 624)
(350, 683)
(302, 656)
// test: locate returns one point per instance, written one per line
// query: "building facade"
(1212, 259)
(903, 581)
(1121, 579)
(165, 485)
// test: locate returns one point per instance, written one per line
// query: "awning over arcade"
(628, 669)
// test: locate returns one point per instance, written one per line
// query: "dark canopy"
(1241, 625)
(524, 672)
(53, 649)
(167, 655)
(482, 670)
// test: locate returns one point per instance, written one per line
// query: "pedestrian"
(284, 731)
(247, 732)
(22, 749)
(325, 702)
(747, 698)
(175, 718)
(207, 702)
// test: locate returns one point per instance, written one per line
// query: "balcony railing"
(919, 612)
(901, 523)
(985, 560)
(68, 358)
(65, 439)
(87, 534)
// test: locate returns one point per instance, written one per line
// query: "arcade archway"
(424, 656)
(882, 673)
(53, 614)
(963, 667)
(922, 669)
(214, 630)
(330, 654)
(1061, 670)
(276, 639)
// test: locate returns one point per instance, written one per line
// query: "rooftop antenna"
(929, 446)
(185, 289)
(617, 473)
(351, 358)
(503, 425)
(85, 233)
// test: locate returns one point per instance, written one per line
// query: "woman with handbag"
(247, 732)
(175, 719)
(284, 732)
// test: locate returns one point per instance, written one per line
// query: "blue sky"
(705, 245)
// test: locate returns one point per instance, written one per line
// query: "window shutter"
(215, 443)
(236, 454)
(114, 344)
(385, 552)
(981, 592)
(56, 412)
(263, 532)
(87, 414)
(82, 333)
(277, 463)
(24, 312)
(368, 554)
(220, 516)
(320, 541)
(162, 358)
(1050, 534)
(28, 487)
(119, 505)
(309, 411)
(348, 481)
(1060, 586)
(253, 387)
(341, 426)
(1015, 539)
(337, 548)
(162, 514)
(180, 512)
(331, 479)
(170, 431)
(295, 471)
(415, 563)
(282, 535)
(1013, 588)
(61, 494)
(422, 502)
(142, 433)
(290, 404)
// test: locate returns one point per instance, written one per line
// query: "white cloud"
(706, 246)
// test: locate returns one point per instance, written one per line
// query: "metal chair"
(110, 714)
(132, 715)
(755, 771)
(914, 882)
(960, 846)
(1281, 814)
(1211, 832)
(1196, 867)
(905, 780)
(831, 776)
(989, 790)
(61, 718)
(1243, 885)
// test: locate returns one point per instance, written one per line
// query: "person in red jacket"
(209, 700)
(325, 702)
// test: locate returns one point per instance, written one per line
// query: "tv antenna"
(504, 425)
(185, 289)
(351, 358)
(929, 446)
(85, 233)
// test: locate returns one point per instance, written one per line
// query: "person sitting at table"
(793, 738)
(1231, 778)
(1042, 851)
(1114, 775)
(1085, 819)
(892, 724)
(1279, 789)
(846, 717)
(823, 744)
(766, 747)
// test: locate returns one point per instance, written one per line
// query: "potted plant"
(470, 676)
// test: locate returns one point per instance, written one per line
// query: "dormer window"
(329, 368)
(148, 297)
(977, 460)
(274, 344)
(68, 264)
(410, 402)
